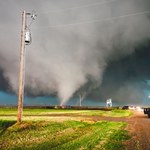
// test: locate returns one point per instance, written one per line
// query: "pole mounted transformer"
(25, 40)
(27, 37)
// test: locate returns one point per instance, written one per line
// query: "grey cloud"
(61, 60)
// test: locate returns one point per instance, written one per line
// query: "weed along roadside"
(72, 130)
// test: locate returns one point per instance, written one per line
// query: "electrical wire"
(30, 23)
(94, 21)
(78, 7)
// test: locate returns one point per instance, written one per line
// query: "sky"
(97, 49)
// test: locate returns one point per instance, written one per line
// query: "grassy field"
(70, 133)
(45, 112)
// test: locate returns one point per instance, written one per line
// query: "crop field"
(52, 129)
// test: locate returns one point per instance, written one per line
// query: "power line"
(78, 7)
(95, 21)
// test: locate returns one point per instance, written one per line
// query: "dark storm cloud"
(66, 51)
(125, 80)
(4, 86)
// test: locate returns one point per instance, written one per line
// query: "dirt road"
(139, 128)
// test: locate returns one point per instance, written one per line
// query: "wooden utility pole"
(22, 70)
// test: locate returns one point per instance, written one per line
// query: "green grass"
(70, 135)
(45, 112)
(115, 140)
(112, 113)
(39, 132)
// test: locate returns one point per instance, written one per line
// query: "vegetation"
(68, 134)
(113, 113)
(45, 112)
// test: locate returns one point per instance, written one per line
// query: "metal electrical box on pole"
(22, 69)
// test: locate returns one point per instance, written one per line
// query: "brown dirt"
(139, 129)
